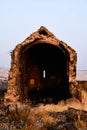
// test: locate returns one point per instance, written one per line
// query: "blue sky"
(67, 19)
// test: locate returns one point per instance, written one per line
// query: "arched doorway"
(45, 78)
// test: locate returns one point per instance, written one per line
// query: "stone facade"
(25, 72)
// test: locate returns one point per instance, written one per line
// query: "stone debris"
(24, 117)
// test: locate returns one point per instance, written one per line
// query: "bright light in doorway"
(44, 74)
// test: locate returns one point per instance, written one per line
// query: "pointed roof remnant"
(41, 34)
(38, 53)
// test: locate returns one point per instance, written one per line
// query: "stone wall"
(15, 90)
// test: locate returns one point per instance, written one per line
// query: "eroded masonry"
(43, 69)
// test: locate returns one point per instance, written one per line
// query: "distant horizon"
(1, 67)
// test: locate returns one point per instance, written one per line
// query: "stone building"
(42, 68)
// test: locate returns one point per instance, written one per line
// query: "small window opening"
(44, 74)
(43, 32)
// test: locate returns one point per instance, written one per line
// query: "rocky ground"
(66, 115)
(25, 117)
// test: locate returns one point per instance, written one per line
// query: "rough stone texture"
(15, 90)
(24, 117)
(81, 93)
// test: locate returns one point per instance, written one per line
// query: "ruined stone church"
(43, 68)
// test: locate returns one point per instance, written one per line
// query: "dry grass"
(40, 118)
(62, 105)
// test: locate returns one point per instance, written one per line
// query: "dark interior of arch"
(44, 74)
